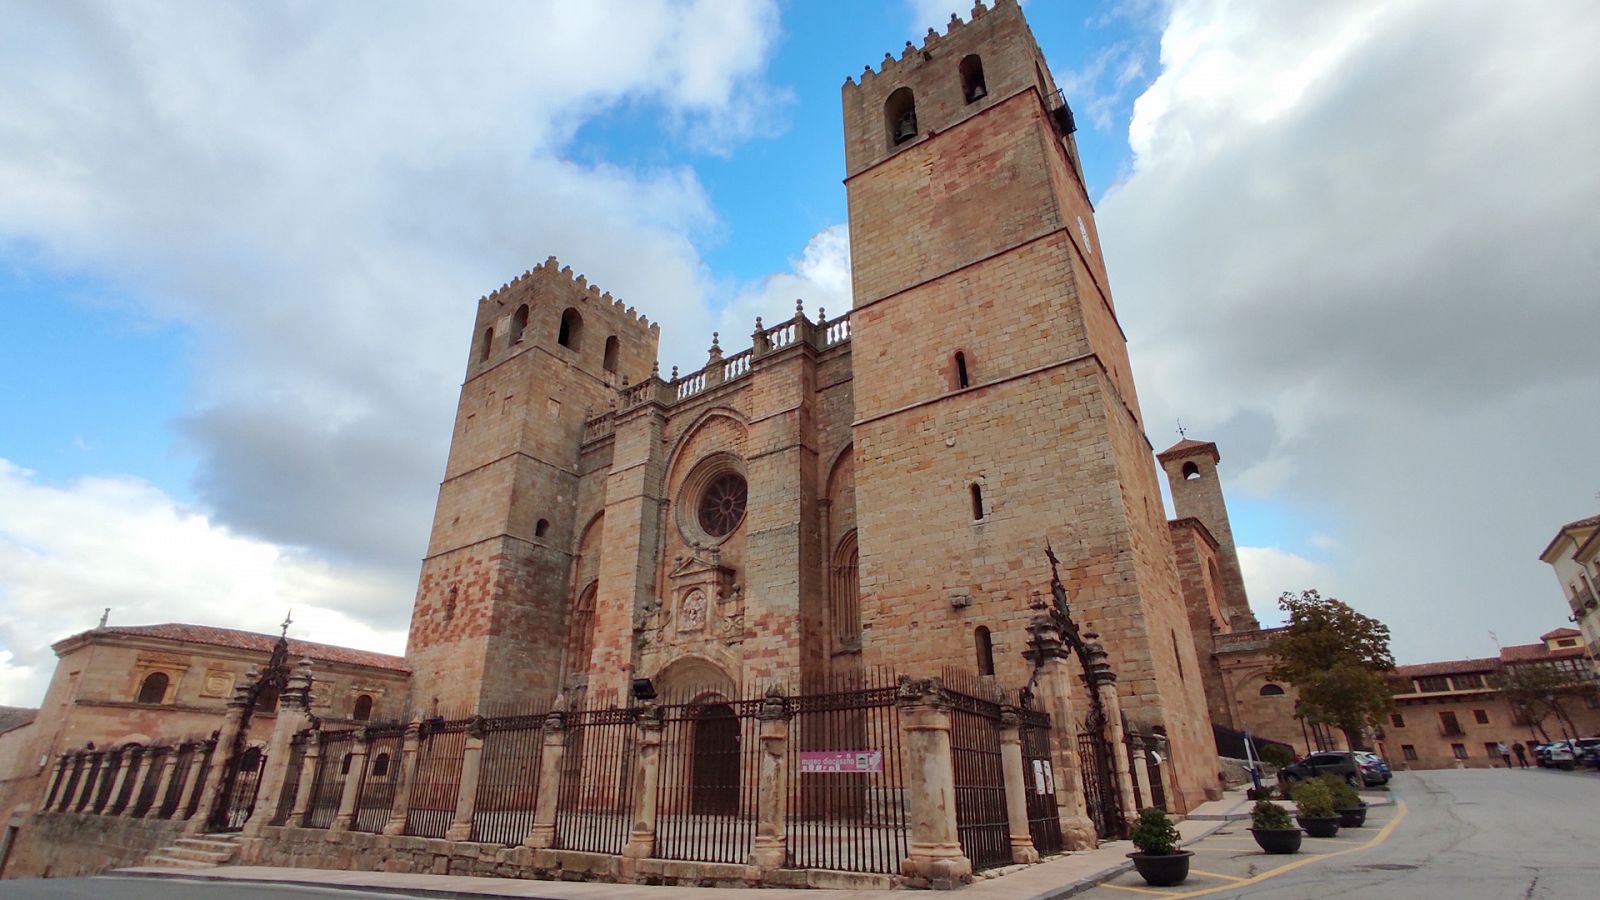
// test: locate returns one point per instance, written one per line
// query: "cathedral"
(872, 489)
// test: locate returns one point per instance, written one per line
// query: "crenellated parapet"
(931, 43)
(562, 276)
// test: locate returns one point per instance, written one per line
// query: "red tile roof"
(1532, 652)
(1188, 445)
(1448, 667)
(1562, 632)
(250, 640)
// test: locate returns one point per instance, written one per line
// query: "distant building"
(1574, 554)
(1449, 714)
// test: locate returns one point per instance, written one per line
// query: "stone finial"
(822, 315)
(655, 369)
(888, 58)
(978, 9)
(931, 35)
(759, 326)
(674, 373)
(910, 49)
(715, 353)
(955, 22)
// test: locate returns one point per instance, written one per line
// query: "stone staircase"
(202, 852)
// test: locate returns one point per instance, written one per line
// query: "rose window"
(722, 504)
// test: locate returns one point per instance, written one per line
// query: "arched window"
(900, 116)
(380, 765)
(542, 526)
(1190, 471)
(488, 343)
(1271, 690)
(972, 86)
(612, 346)
(977, 503)
(985, 647)
(580, 637)
(571, 329)
(962, 379)
(519, 324)
(846, 593)
(363, 708)
(154, 688)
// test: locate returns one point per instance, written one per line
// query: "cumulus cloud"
(1270, 572)
(1357, 249)
(67, 552)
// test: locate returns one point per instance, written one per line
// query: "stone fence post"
(169, 768)
(93, 767)
(647, 775)
(308, 779)
(131, 756)
(467, 792)
(935, 858)
(197, 760)
(543, 833)
(772, 789)
(222, 755)
(408, 774)
(353, 781)
(294, 716)
(57, 780)
(1141, 769)
(1055, 690)
(1103, 682)
(1016, 778)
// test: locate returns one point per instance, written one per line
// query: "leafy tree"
(1336, 659)
(1536, 692)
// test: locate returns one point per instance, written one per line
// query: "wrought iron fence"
(133, 760)
(156, 759)
(707, 802)
(1038, 771)
(381, 778)
(207, 751)
(290, 791)
(69, 779)
(108, 777)
(327, 785)
(1100, 792)
(980, 783)
(846, 787)
(181, 765)
(441, 747)
(594, 803)
(235, 808)
(508, 779)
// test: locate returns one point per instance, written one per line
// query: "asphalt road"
(1474, 834)
(113, 888)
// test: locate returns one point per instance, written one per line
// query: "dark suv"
(1332, 762)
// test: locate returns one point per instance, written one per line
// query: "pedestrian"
(1505, 752)
(1522, 755)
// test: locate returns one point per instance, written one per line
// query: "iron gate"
(980, 784)
(1100, 792)
(1044, 817)
(242, 784)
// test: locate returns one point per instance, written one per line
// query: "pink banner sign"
(841, 760)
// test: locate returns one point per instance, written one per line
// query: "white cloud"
(67, 552)
(1270, 572)
(1356, 248)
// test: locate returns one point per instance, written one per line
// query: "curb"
(391, 890)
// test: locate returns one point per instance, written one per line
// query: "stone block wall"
(66, 845)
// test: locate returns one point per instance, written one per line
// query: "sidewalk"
(1061, 876)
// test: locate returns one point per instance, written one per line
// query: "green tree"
(1336, 659)
(1537, 692)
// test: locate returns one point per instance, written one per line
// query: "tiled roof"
(1560, 633)
(1189, 445)
(1447, 667)
(1590, 522)
(1533, 652)
(250, 640)
(12, 717)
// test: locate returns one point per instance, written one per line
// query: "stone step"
(195, 854)
(167, 862)
(216, 844)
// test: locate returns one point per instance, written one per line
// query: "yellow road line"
(1215, 875)
(1383, 835)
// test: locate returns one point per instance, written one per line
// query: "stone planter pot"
(1278, 840)
(1319, 826)
(1352, 818)
(1162, 871)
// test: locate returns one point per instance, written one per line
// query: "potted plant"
(1314, 809)
(1272, 828)
(1159, 861)
(1352, 811)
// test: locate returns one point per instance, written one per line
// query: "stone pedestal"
(542, 835)
(308, 779)
(196, 761)
(294, 715)
(935, 858)
(1141, 770)
(771, 845)
(1055, 691)
(647, 774)
(408, 775)
(353, 780)
(1022, 849)
(467, 793)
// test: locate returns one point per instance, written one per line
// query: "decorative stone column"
(935, 859)
(1016, 778)
(647, 775)
(127, 772)
(408, 775)
(308, 779)
(169, 767)
(543, 833)
(772, 790)
(226, 740)
(467, 792)
(1141, 768)
(294, 716)
(197, 759)
(353, 780)
(1103, 682)
(1054, 692)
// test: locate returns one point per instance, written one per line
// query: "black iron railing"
(508, 779)
(707, 802)
(438, 781)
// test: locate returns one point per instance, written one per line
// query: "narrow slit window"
(962, 379)
(612, 347)
(977, 503)
(488, 343)
(985, 647)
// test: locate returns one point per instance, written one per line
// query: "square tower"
(490, 624)
(994, 404)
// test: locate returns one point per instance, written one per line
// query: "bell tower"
(495, 597)
(1191, 468)
(994, 402)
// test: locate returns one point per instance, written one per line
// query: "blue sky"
(238, 258)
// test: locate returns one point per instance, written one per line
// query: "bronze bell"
(905, 128)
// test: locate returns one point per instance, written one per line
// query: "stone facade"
(1574, 555)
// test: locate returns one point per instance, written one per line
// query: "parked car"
(1373, 763)
(1555, 755)
(1329, 762)
(1588, 752)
